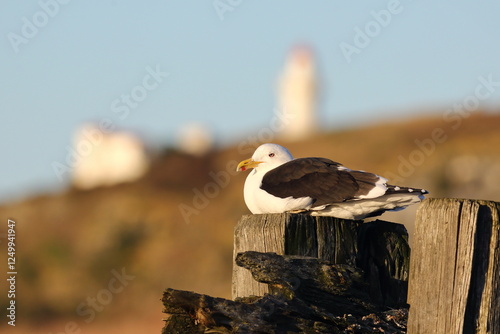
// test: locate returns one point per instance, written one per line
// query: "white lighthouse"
(297, 95)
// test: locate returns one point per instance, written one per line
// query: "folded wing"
(323, 180)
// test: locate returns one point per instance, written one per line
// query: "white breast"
(259, 201)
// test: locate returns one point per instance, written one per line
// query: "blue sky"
(222, 58)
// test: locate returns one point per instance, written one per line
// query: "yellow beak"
(248, 163)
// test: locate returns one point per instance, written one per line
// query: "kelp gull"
(318, 186)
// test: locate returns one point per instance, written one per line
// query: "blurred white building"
(195, 139)
(297, 95)
(106, 159)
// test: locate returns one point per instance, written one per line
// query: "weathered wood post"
(291, 234)
(379, 248)
(454, 282)
(311, 292)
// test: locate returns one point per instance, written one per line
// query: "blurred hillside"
(174, 227)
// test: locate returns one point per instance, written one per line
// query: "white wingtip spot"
(397, 188)
(410, 190)
(378, 190)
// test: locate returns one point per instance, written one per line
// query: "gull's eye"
(271, 155)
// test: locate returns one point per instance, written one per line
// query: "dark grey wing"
(322, 179)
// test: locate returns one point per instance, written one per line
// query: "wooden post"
(379, 248)
(327, 238)
(454, 282)
(384, 256)
(312, 292)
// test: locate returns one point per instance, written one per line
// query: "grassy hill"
(174, 227)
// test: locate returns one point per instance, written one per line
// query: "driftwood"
(307, 295)
(455, 267)
(295, 273)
